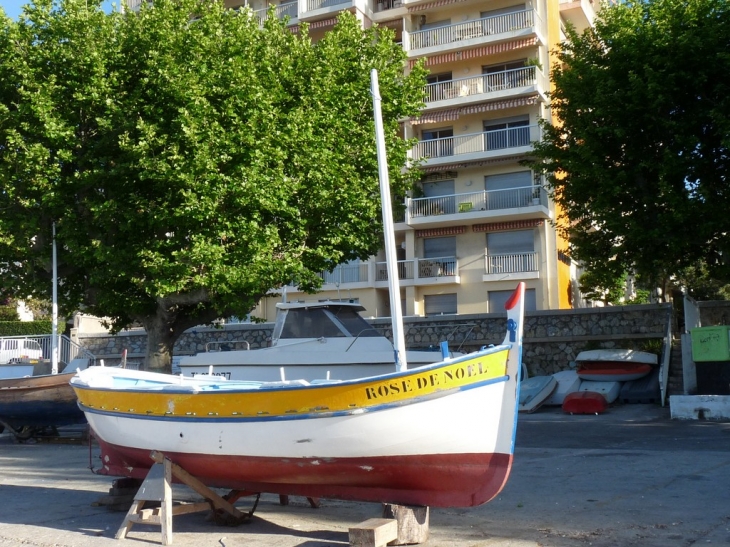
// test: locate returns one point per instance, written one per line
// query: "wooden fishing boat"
(439, 435)
(32, 403)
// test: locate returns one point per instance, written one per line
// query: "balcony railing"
(346, 273)
(319, 4)
(486, 83)
(486, 141)
(406, 269)
(288, 9)
(483, 200)
(486, 26)
(382, 5)
(510, 263)
(419, 268)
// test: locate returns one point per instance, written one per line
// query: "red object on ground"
(584, 402)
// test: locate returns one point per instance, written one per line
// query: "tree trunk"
(160, 341)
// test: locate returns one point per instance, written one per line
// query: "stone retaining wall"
(552, 338)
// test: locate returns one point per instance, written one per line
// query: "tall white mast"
(54, 310)
(391, 259)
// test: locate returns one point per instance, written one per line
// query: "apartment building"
(480, 221)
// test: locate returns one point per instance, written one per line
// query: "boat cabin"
(298, 320)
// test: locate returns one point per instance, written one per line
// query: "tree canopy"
(190, 165)
(637, 159)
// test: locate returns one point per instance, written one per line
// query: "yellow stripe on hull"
(233, 400)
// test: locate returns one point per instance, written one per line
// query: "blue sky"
(14, 7)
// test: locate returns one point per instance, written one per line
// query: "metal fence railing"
(17, 348)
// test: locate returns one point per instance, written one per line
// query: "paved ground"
(630, 477)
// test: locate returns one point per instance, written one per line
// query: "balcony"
(418, 271)
(487, 30)
(474, 207)
(387, 5)
(580, 13)
(319, 8)
(517, 266)
(421, 271)
(354, 275)
(288, 9)
(508, 83)
(477, 146)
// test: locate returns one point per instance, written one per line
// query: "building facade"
(481, 221)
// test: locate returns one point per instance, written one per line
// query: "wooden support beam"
(373, 533)
(186, 478)
(157, 487)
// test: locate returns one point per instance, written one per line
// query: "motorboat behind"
(310, 340)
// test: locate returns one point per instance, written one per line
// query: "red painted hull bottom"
(444, 480)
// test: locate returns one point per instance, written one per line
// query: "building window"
(438, 87)
(438, 247)
(438, 142)
(434, 24)
(506, 75)
(507, 133)
(509, 190)
(518, 241)
(501, 67)
(497, 300)
(439, 304)
(438, 78)
(439, 257)
(503, 11)
(440, 197)
(509, 252)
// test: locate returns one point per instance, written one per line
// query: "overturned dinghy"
(614, 365)
(535, 391)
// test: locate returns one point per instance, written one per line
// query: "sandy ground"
(630, 477)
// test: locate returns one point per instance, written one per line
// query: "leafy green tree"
(609, 290)
(700, 285)
(190, 166)
(8, 310)
(639, 159)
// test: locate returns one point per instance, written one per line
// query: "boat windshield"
(330, 322)
(353, 322)
(309, 323)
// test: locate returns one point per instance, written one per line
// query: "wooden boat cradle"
(157, 487)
